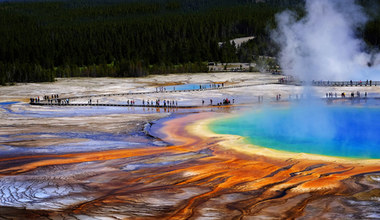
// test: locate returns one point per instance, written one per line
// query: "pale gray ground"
(68, 87)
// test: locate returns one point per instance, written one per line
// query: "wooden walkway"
(56, 101)
(330, 99)
(116, 105)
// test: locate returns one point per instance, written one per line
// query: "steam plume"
(322, 45)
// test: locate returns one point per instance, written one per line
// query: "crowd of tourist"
(345, 83)
(329, 95)
(225, 101)
(158, 102)
(343, 95)
(47, 98)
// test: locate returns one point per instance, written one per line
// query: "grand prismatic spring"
(146, 162)
(113, 149)
(341, 131)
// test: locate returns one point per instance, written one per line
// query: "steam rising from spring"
(322, 45)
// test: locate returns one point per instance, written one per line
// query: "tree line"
(42, 40)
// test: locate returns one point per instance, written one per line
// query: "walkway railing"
(331, 83)
(115, 105)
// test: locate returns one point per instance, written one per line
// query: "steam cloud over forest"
(323, 44)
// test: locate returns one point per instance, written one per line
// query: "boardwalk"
(114, 105)
(328, 100)
(61, 101)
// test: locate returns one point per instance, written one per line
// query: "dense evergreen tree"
(41, 40)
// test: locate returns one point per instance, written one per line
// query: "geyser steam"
(322, 45)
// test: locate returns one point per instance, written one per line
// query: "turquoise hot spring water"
(340, 131)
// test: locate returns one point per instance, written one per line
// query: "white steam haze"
(322, 45)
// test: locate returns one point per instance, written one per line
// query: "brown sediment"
(81, 157)
(160, 84)
(215, 176)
